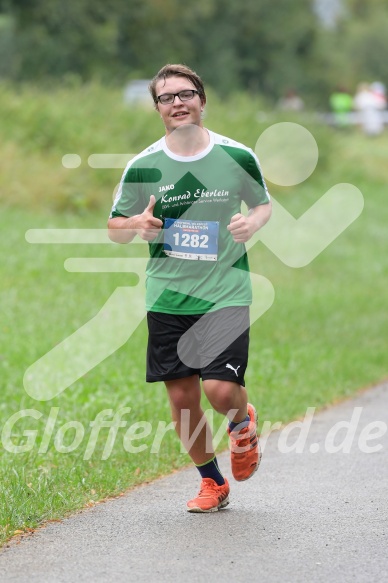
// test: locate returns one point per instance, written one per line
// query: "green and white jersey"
(194, 266)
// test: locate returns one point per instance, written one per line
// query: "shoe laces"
(207, 486)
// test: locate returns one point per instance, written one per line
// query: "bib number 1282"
(191, 240)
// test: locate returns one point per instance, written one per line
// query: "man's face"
(179, 112)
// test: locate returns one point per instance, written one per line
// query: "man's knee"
(184, 393)
(222, 395)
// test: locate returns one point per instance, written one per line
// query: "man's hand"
(242, 228)
(124, 229)
(147, 226)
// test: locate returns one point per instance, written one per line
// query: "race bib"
(186, 239)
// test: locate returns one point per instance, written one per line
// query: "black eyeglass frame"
(193, 91)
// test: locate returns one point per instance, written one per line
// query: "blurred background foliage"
(63, 67)
(258, 46)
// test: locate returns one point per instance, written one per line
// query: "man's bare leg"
(227, 398)
(185, 402)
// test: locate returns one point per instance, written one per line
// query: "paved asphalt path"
(304, 517)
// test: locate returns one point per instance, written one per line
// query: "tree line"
(260, 46)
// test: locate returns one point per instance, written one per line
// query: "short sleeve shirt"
(195, 266)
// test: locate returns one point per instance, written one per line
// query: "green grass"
(324, 338)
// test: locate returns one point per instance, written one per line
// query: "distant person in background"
(341, 104)
(379, 91)
(291, 101)
(370, 104)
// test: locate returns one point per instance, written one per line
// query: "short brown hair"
(178, 71)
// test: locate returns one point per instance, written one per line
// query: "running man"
(183, 194)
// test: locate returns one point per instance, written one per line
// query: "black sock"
(211, 470)
(244, 423)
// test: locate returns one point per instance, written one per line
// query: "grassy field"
(324, 338)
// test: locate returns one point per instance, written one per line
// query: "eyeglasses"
(185, 95)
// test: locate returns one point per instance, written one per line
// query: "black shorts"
(214, 345)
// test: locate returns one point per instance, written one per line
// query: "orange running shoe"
(245, 449)
(211, 497)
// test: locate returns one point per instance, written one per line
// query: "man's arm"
(242, 227)
(124, 229)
